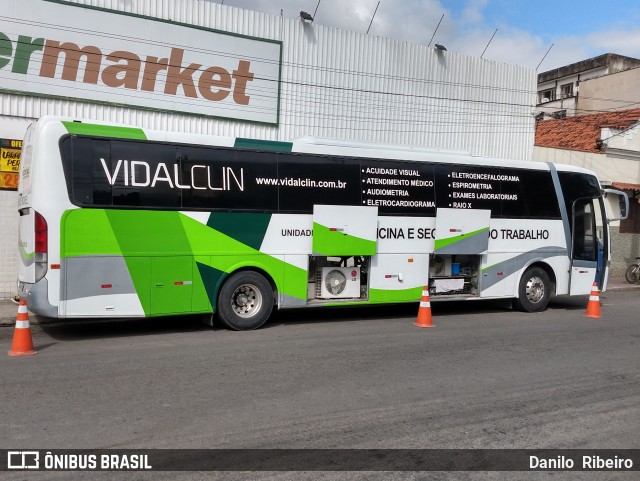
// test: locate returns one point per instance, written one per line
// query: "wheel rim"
(535, 289)
(246, 300)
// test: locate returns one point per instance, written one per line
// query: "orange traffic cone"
(593, 306)
(22, 344)
(424, 312)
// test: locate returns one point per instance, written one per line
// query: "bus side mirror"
(622, 206)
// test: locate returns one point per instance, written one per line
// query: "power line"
(485, 49)
(434, 32)
(543, 57)
(374, 16)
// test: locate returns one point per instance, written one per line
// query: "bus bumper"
(37, 299)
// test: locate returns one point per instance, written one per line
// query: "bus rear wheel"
(534, 291)
(245, 301)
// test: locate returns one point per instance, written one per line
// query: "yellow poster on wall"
(9, 163)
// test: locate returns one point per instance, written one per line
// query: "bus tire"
(534, 290)
(245, 301)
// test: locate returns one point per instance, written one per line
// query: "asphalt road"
(484, 377)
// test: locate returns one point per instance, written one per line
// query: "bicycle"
(632, 276)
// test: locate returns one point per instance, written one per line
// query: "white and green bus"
(122, 222)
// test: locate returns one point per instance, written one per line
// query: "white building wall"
(608, 168)
(335, 83)
(343, 84)
(8, 243)
(12, 128)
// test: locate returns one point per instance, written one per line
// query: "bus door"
(344, 230)
(590, 247)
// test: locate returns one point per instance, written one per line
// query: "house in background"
(607, 82)
(609, 144)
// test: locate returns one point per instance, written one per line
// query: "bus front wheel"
(534, 291)
(245, 301)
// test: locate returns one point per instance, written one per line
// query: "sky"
(573, 30)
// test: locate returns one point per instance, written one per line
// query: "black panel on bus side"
(226, 179)
(398, 187)
(307, 180)
(156, 175)
(506, 192)
(144, 160)
(536, 193)
(86, 181)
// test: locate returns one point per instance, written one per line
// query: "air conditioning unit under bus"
(339, 283)
(440, 265)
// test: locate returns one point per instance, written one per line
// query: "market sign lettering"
(172, 66)
(128, 70)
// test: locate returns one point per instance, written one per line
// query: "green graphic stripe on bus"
(85, 232)
(382, 296)
(96, 130)
(151, 233)
(247, 228)
(160, 260)
(231, 254)
(401, 295)
(335, 243)
(441, 244)
(28, 258)
(163, 251)
(271, 145)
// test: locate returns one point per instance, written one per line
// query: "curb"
(622, 287)
(5, 321)
(11, 321)
(8, 313)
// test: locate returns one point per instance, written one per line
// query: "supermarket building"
(201, 67)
